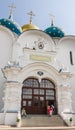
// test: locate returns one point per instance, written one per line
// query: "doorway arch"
(36, 96)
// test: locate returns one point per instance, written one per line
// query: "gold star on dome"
(31, 16)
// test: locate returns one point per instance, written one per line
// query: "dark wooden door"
(36, 96)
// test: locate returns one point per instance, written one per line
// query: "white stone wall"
(29, 39)
(10, 119)
(6, 40)
(66, 45)
(2, 118)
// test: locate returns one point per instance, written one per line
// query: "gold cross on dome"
(12, 7)
(52, 18)
(31, 16)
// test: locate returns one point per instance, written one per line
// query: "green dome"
(54, 31)
(10, 24)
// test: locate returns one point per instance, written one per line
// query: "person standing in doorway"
(23, 112)
(51, 110)
(48, 110)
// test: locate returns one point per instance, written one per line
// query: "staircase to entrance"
(42, 121)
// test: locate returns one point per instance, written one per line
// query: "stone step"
(42, 120)
(37, 128)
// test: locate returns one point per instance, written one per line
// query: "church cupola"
(54, 31)
(30, 25)
(10, 24)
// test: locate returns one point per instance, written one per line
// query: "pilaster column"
(12, 98)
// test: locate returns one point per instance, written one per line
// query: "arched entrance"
(36, 96)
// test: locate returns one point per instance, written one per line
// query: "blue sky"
(63, 10)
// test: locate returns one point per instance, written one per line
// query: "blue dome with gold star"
(54, 31)
(10, 24)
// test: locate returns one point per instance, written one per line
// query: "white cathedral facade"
(37, 68)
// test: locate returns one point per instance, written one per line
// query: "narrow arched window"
(71, 58)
